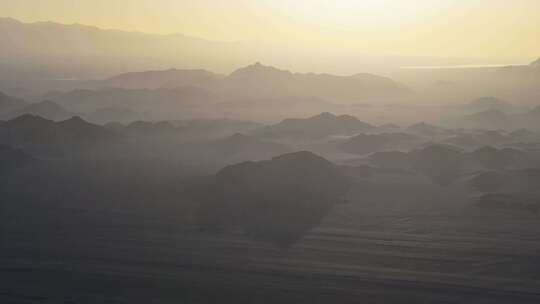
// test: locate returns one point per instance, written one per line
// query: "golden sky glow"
(488, 29)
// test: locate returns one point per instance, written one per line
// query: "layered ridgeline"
(34, 130)
(59, 51)
(256, 92)
(256, 81)
(46, 109)
(82, 51)
(494, 114)
(261, 80)
(318, 126)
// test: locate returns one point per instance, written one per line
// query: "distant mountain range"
(46, 56)
(266, 81)
(172, 94)
(260, 81)
(54, 51)
(82, 51)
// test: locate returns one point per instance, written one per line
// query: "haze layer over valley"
(163, 168)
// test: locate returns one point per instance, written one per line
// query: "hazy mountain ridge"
(318, 126)
(496, 118)
(314, 155)
(46, 109)
(35, 130)
(369, 143)
(172, 78)
(139, 100)
(260, 81)
(253, 89)
(266, 80)
(98, 52)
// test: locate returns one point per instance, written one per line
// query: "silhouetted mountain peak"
(327, 116)
(46, 109)
(28, 120)
(302, 156)
(239, 138)
(424, 128)
(290, 162)
(277, 200)
(324, 115)
(536, 63)
(75, 120)
(317, 126)
(257, 69)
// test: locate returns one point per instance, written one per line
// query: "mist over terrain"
(142, 168)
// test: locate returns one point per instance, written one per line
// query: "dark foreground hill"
(117, 230)
(277, 200)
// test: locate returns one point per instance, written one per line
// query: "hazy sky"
(489, 29)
